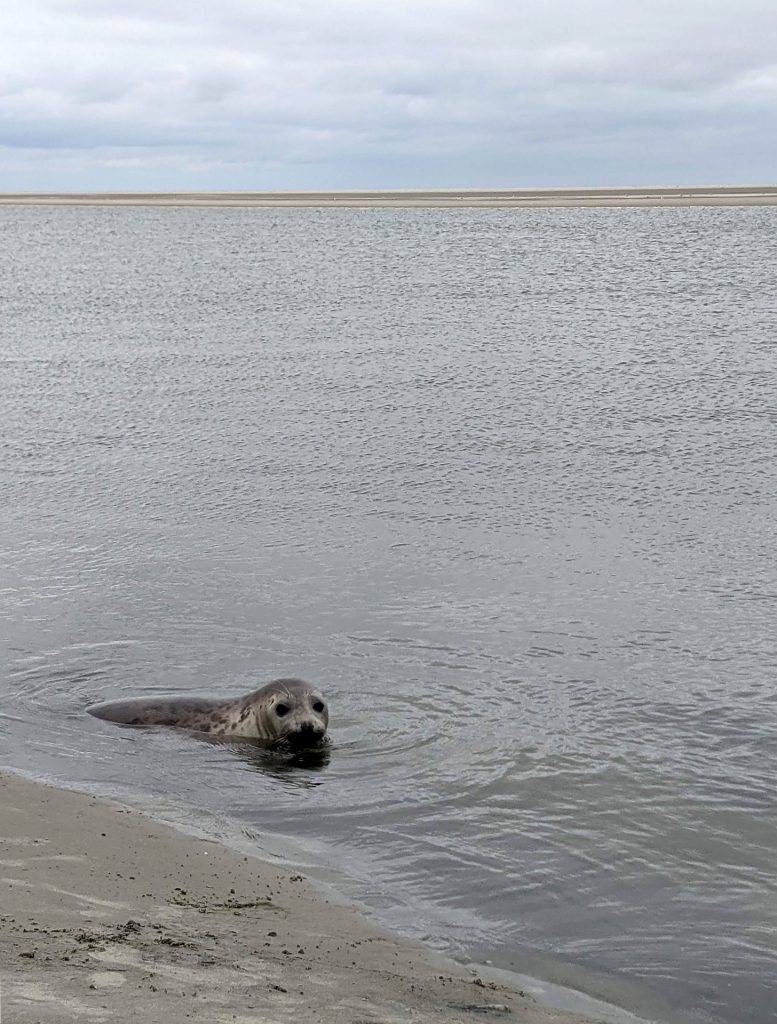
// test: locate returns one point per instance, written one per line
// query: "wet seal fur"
(286, 713)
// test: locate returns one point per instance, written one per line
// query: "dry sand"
(697, 195)
(108, 916)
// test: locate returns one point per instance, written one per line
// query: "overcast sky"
(190, 94)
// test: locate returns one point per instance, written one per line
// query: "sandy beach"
(697, 195)
(107, 915)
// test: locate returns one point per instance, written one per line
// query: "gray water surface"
(501, 482)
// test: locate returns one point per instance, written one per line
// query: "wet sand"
(697, 195)
(107, 915)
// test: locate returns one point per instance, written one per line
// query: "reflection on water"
(289, 765)
(501, 483)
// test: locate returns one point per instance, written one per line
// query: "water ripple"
(503, 485)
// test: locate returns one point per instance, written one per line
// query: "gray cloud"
(240, 94)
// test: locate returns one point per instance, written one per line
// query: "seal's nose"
(306, 733)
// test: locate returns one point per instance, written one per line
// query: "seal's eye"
(281, 710)
(318, 707)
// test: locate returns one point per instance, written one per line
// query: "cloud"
(346, 94)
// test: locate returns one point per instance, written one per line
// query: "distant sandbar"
(696, 195)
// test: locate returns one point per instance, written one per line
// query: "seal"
(286, 713)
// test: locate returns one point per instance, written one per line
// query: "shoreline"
(104, 904)
(521, 198)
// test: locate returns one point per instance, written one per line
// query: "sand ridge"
(674, 195)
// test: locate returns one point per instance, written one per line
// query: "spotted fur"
(303, 721)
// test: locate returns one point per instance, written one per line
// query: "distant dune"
(696, 195)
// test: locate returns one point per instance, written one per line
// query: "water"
(502, 482)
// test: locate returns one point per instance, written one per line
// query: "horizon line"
(645, 195)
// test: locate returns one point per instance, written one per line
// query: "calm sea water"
(502, 482)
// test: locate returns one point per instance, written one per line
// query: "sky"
(340, 94)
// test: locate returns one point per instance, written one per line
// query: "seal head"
(286, 713)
